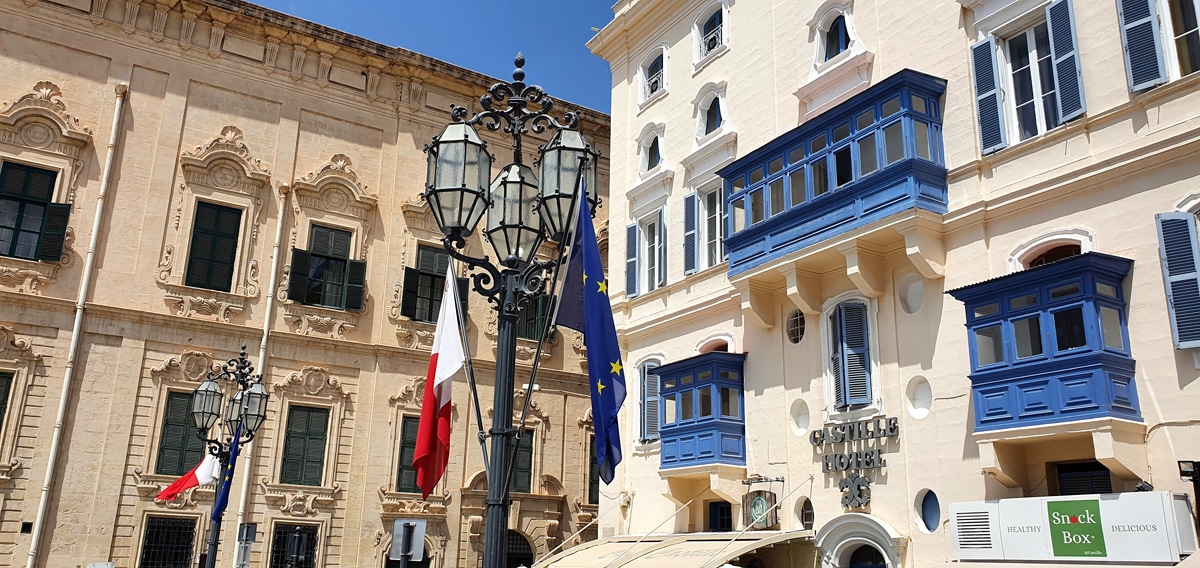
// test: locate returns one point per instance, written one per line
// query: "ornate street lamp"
(247, 408)
(522, 213)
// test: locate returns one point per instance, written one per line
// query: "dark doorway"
(867, 556)
(519, 551)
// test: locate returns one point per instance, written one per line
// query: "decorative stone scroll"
(299, 502)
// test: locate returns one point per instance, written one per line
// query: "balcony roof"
(1116, 267)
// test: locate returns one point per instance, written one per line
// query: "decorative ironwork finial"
(519, 73)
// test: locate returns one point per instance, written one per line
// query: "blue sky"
(483, 36)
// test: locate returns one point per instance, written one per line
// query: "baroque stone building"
(184, 177)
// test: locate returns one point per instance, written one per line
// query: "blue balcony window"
(1051, 344)
(878, 153)
(702, 413)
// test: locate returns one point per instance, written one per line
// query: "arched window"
(653, 155)
(1054, 255)
(712, 116)
(837, 38)
(867, 556)
(519, 551)
(710, 34)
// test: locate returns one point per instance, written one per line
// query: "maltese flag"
(204, 473)
(433, 435)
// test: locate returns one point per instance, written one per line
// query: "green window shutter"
(356, 277)
(298, 277)
(304, 446)
(6, 380)
(213, 247)
(522, 475)
(406, 476)
(408, 302)
(179, 448)
(54, 232)
(464, 289)
(593, 474)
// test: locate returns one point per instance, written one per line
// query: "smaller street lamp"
(560, 162)
(514, 227)
(458, 177)
(247, 408)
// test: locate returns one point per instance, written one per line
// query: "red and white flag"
(204, 473)
(433, 434)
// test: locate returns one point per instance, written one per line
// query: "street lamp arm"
(486, 283)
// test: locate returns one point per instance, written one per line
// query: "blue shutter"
(1180, 255)
(987, 96)
(650, 402)
(856, 362)
(1142, 38)
(631, 260)
(662, 247)
(835, 359)
(1065, 55)
(690, 234)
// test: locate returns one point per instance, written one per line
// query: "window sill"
(650, 100)
(396, 503)
(202, 302)
(300, 500)
(873, 410)
(711, 56)
(647, 447)
(318, 321)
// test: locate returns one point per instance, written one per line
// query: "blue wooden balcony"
(702, 413)
(877, 154)
(1051, 344)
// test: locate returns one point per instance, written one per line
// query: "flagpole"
(572, 229)
(462, 333)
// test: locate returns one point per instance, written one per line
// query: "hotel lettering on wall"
(849, 451)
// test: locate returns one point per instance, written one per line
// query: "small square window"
(1064, 291)
(1023, 301)
(891, 106)
(918, 104)
(668, 383)
(775, 166)
(685, 380)
(1106, 290)
(729, 375)
(818, 143)
(989, 347)
(865, 120)
(796, 156)
(840, 133)
(756, 175)
(987, 310)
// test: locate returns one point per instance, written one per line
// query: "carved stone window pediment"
(38, 126)
(223, 172)
(300, 500)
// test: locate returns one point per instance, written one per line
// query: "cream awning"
(693, 550)
(1189, 562)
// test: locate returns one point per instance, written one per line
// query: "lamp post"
(243, 415)
(522, 213)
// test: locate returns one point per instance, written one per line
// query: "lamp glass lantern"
(206, 404)
(233, 412)
(560, 161)
(1187, 470)
(254, 407)
(456, 186)
(514, 226)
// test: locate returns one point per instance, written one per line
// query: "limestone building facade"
(175, 172)
(888, 261)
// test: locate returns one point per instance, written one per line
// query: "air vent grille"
(974, 529)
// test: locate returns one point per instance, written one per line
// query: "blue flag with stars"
(227, 476)
(584, 307)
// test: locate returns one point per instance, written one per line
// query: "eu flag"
(584, 307)
(227, 476)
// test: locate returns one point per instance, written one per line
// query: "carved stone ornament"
(586, 420)
(412, 334)
(39, 119)
(410, 395)
(335, 187)
(200, 164)
(206, 304)
(394, 504)
(187, 367)
(13, 346)
(313, 381)
(313, 320)
(417, 216)
(299, 502)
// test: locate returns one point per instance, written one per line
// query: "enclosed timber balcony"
(703, 420)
